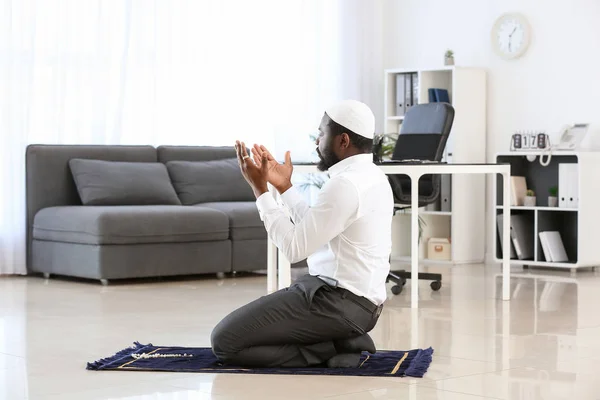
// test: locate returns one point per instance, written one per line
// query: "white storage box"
(439, 249)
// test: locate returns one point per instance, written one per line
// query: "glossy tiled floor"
(544, 344)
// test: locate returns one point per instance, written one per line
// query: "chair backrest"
(423, 136)
(424, 132)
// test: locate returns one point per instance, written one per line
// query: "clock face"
(510, 36)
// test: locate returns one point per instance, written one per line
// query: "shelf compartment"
(538, 178)
(438, 79)
(563, 222)
(529, 225)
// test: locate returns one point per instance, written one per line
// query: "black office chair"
(423, 136)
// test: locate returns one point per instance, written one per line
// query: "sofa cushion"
(122, 183)
(244, 219)
(209, 181)
(130, 224)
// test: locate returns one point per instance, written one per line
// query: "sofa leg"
(220, 275)
(104, 282)
(46, 275)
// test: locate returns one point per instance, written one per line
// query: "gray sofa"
(87, 217)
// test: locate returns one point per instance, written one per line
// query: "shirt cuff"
(291, 197)
(266, 203)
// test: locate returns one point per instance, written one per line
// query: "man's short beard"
(326, 160)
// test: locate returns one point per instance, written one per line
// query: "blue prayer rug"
(140, 357)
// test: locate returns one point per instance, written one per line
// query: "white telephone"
(571, 136)
(570, 139)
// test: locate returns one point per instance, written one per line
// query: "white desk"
(279, 268)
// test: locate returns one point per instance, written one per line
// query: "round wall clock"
(511, 35)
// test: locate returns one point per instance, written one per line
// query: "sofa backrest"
(194, 153)
(49, 181)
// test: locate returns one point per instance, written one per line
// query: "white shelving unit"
(577, 226)
(464, 223)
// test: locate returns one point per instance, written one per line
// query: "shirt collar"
(345, 163)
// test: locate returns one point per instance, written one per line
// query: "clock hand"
(510, 38)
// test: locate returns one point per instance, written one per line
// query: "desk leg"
(284, 269)
(506, 237)
(414, 241)
(271, 266)
(272, 262)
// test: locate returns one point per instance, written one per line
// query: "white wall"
(554, 83)
(348, 63)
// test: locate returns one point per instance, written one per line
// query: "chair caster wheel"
(397, 289)
(436, 285)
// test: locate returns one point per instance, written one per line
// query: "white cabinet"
(576, 220)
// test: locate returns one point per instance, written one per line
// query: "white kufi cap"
(355, 116)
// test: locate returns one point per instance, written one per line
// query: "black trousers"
(293, 327)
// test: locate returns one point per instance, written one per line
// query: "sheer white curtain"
(187, 72)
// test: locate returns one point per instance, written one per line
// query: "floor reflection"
(543, 344)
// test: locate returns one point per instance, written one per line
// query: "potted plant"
(553, 196)
(383, 146)
(449, 57)
(529, 199)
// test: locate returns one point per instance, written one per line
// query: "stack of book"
(553, 247)
(438, 95)
(521, 235)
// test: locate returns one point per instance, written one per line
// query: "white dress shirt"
(347, 234)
